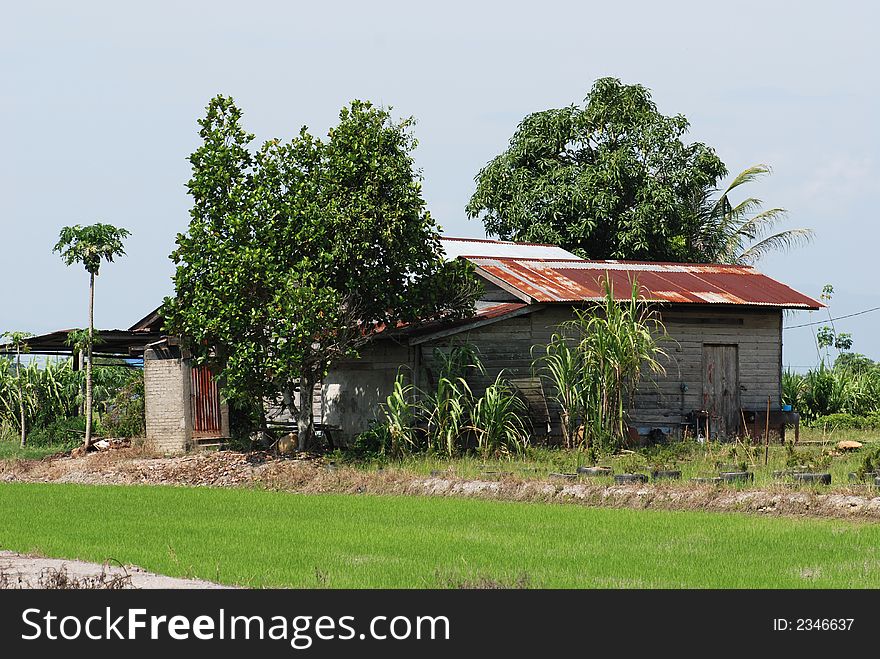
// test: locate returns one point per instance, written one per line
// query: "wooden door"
(721, 389)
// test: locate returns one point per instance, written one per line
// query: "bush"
(60, 432)
(845, 421)
(124, 415)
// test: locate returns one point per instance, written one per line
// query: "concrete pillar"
(167, 390)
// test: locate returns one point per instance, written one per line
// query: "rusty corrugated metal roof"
(577, 280)
(482, 312)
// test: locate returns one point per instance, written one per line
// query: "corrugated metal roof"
(482, 312)
(473, 247)
(577, 280)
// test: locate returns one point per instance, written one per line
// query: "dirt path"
(229, 469)
(22, 571)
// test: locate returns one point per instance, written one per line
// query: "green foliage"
(293, 252)
(401, 436)
(90, 245)
(447, 410)
(611, 179)
(562, 366)
(53, 394)
(62, 432)
(596, 363)
(870, 462)
(846, 421)
(124, 415)
(443, 421)
(851, 387)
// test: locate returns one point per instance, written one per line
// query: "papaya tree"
(90, 245)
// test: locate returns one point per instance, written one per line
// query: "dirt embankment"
(315, 475)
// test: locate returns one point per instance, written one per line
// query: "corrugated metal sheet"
(577, 280)
(473, 247)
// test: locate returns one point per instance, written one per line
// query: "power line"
(831, 320)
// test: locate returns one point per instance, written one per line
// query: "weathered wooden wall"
(350, 395)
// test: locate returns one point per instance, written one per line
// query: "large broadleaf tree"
(609, 179)
(298, 251)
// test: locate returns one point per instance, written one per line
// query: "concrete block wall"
(167, 404)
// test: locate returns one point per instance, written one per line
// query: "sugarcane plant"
(90, 245)
(595, 363)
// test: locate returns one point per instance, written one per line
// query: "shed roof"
(112, 342)
(578, 280)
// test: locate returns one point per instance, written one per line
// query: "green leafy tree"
(296, 252)
(90, 245)
(18, 340)
(827, 336)
(743, 233)
(611, 179)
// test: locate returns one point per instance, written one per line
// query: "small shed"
(725, 322)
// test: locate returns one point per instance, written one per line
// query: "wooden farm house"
(724, 356)
(724, 322)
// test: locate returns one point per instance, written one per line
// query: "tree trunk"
(305, 414)
(88, 440)
(20, 396)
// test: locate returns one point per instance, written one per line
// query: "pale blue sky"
(99, 102)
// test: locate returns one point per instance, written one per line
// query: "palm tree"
(741, 234)
(90, 245)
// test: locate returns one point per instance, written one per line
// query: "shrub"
(846, 421)
(124, 413)
(60, 432)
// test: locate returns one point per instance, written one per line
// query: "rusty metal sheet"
(576, 280)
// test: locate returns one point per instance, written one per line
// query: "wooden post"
(745, 427)
(767, 434)
(707, 432)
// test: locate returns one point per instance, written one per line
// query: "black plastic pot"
(666, 474)
(728, 468)
(736, 476)
(824, 479)
(595, 471)
(630, 478)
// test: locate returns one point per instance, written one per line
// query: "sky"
(99, 105)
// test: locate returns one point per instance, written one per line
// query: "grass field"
(260, 538)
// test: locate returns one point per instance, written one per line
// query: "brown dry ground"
(313, 475)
